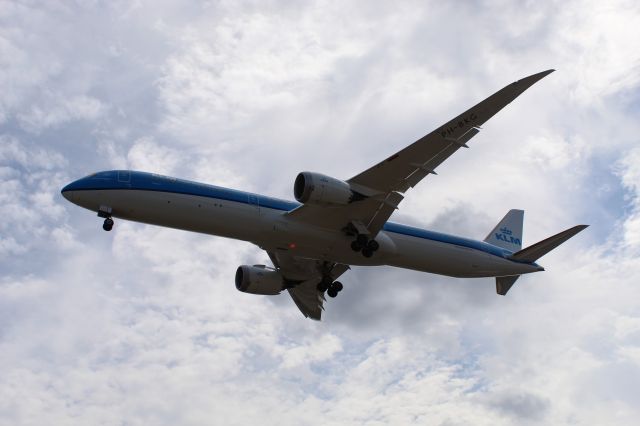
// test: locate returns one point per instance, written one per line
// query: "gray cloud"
(523, 406)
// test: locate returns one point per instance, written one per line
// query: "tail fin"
(536, 251)
(508, 233)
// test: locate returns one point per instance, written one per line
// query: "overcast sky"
(144, 326)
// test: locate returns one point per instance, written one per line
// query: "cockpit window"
(103, 175)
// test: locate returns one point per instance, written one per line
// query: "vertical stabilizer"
(508, 233)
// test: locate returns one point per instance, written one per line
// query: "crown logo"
(506, 231)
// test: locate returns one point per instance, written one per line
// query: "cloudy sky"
(144, 326)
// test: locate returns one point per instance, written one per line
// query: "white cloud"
(30, 181)
(59, 111)
(145, 154)
(602, 39)
(630, 175)
(143, 325)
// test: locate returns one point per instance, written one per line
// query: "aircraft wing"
(305, 274)
(404, 169)
(383, 183)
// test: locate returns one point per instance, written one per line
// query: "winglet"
(536, 77)
(532, 79)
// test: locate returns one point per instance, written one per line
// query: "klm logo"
(505, 235)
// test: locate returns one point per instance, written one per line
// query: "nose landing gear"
(105, 212)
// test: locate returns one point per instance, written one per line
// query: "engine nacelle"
(314, 188)
(258, 279)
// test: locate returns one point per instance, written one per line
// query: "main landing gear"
(364, 244)
(332, 288)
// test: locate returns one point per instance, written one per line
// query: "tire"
(323, 286)
(332, 292)
(355, 246)
(108, 224)
(366, 252)
(373, 245)
(337, 286)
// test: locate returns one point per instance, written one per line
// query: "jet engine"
(257, 279)
(314, 188)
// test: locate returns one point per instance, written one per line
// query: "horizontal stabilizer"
(536, 251)
(503, 284)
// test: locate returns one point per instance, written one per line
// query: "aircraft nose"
(68, 195)
(68, 191)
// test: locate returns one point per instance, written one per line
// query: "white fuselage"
(191, 206)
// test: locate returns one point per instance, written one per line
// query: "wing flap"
(466, 137)
(308, 273)
(308, 299)
(386, 209)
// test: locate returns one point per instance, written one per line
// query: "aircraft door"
(254, 202)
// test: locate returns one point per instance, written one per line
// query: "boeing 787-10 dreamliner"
(335, 223)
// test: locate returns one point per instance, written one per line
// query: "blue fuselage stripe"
(151, 182)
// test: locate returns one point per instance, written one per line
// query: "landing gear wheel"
(323, 286)
(366, 252)
(360, 242)
(337, 286)
(332, 292)
(108, 224)
(373, 245)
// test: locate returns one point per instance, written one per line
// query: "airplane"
(335, 224)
